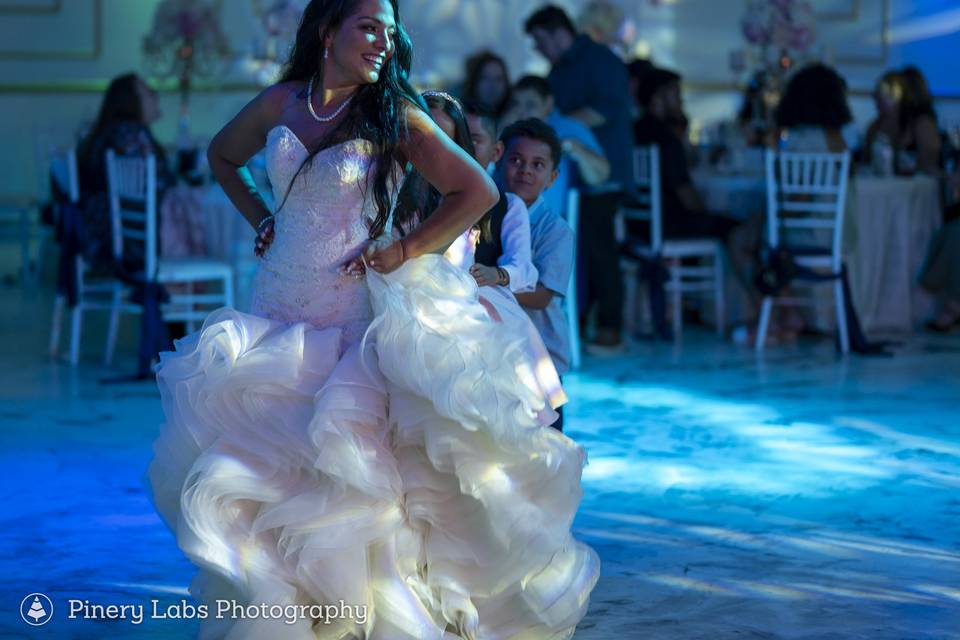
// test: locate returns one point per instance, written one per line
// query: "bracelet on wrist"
(263, 223)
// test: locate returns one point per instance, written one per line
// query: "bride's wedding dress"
(374, 444)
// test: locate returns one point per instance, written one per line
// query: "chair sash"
(780, 268)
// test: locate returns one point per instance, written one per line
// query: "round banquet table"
(895, 220)
(737, 195)
(201, 221)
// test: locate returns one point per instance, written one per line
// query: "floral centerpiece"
(779, 32)
(786, 25)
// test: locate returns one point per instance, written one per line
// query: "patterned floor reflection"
(794, 495)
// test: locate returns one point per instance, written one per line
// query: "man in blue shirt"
(589, 83)
(583, 162)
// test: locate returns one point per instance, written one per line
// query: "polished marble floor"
(795, 495)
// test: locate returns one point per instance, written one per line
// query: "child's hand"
(484, 275)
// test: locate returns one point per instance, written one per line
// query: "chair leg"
(719, 300)
(228, 290)
(629, 300)
(841, 316)
(676, 297)
(76, 326)
(191, 308)
(573, 322)
(56, 324)
(113, 326)
(575, 342)
(764, 323)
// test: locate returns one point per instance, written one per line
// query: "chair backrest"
(807, 191)
(63, 170)
(648, 197)
(570, 302)
(132, 184)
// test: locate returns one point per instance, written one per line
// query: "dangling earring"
(326, 53)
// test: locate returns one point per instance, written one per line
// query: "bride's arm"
(467, 190)
(236, 143)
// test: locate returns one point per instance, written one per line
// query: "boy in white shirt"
(502, 256)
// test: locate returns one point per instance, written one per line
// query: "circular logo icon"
(36, 609)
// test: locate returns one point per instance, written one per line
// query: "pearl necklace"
(320, 118)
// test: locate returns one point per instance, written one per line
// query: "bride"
(367, 447)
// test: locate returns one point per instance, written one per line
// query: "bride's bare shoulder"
(278, 97)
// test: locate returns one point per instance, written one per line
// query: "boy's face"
(527, 103)
(487, 149)
(528, 168)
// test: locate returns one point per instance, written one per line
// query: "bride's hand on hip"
(385, 259)
(355, 268)
(264, 237)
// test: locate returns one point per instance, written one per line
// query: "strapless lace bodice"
(322, 224)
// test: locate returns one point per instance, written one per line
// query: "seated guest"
(941, 273)
(123, 125)
(919, 144)
(583, 157)
(530, 160)
(637, 70)
(502, 256)
(810, 118)
(885, 127)
(684, 214)
(906, 121)
(813, 111)
(487, 83)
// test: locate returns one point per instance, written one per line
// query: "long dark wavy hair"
(418, 199)
(376, 112)
(121, 103)
(917, 101)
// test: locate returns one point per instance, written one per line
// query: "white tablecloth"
(203, 221)
(895, 219)
(729, 194)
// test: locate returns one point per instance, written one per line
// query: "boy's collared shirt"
(552, 249)
(515, 240)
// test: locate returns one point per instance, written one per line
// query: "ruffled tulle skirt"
(400, 487)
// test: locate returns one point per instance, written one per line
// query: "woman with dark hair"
(128, 108)
(814, 110)
(884, 129)
(487, 82)
(906, 120)
(810, 118)
(918, 143)
(368, 449)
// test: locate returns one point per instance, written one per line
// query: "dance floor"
(796, 495)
